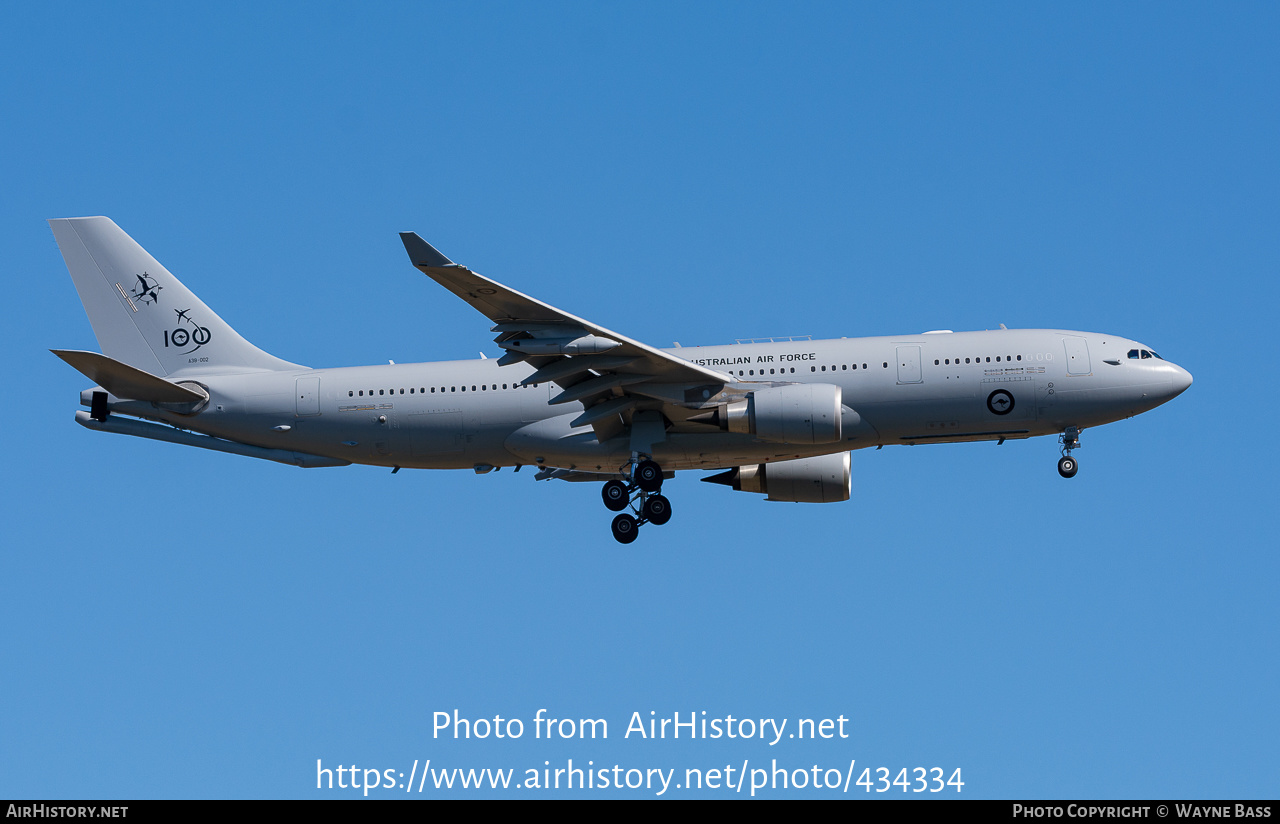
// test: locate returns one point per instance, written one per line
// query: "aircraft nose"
(1181, 380)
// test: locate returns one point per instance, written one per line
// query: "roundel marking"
(1000, 402)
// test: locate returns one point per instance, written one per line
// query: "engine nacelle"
(801, 413)
(822, 480)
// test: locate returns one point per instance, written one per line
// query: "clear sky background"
(180, 623)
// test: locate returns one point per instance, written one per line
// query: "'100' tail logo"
(182, 336)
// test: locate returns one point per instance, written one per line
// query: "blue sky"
(183, 624)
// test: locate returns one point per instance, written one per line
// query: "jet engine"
(800, 413)
(821, 480)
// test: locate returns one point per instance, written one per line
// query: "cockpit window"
(1145, 354)
(1156, 355)
(1133, 354)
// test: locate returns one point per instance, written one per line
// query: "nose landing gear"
(641, 493)
(1070, 439)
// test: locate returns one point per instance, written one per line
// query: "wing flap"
(566, 368)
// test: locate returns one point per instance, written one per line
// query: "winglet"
(422, 253)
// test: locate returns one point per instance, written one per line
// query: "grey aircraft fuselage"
(938, 387)
(577, 400)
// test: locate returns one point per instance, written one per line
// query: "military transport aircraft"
(579, 401)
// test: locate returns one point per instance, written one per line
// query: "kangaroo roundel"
(1000, 402)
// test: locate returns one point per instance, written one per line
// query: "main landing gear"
(1067, 465)
(641, 494)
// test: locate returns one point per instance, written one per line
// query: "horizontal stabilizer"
(124, 381)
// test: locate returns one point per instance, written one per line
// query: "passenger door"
(1077, 350)
(909, 364)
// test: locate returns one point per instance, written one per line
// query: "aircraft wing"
(609, 373)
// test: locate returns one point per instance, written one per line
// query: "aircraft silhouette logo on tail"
(181, 336)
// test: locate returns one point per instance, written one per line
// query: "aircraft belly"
(1095, 405)
(899, 418)
(998, 410)
(553, 442)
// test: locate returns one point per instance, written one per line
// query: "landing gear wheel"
(656, 510)
(615, 495)
(1067, 466)
(648, 476)
(625, 529)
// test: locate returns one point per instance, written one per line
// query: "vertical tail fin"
(141, 314)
